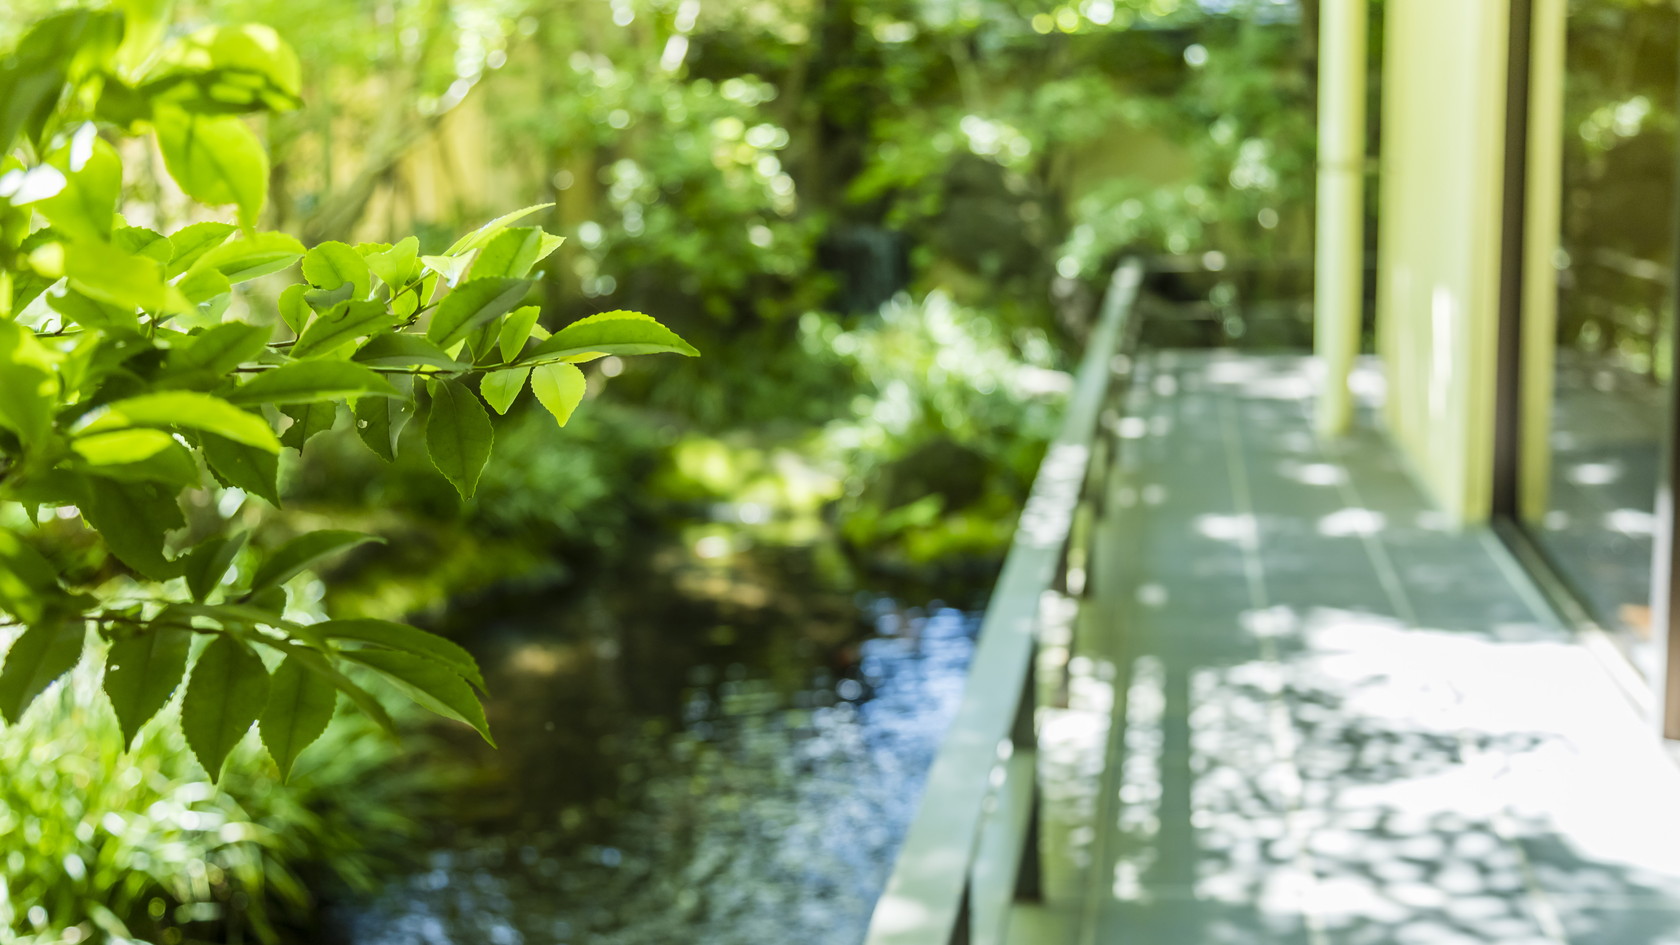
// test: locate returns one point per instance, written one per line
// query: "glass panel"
(1614, 327)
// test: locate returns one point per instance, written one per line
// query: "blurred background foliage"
(885, 222)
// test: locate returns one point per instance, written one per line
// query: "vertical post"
(1665, 564)
(1513, 255)
(1029, 873)
(1339, 253)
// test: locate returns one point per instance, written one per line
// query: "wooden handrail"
(951, 883)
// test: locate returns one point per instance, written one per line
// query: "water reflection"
(741, 808)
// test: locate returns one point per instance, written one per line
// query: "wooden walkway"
(1301, 710)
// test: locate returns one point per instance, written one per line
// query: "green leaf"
(190, 243)
(61, 47)
(208, 562)
(28, 386)
(516, 330)
(341, 325)
(220, 348)
(305, 382)
(251, 255)
(134, 518)
(501, 387)
(431, 683)
(483, 234)
(300, 704)
(122, 446)
(621, 333)
(458, 435)
(227, 691)
(395, 266)
(333, 264)
(294, 309)
(215, 159)
(299, 553)
(559, 388)
(48, 649)
(222, 69)
(307, 421)
(401, 349)
(470, 305)
(172, 466)
(245, 467)
(511, 253)
(189, 410)
(141, 672)
(108, 274)
(380, 421)
(27, 580)
(401, 636)
(142, 242)
(86, 209)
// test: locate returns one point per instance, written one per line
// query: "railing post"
(1029, 873)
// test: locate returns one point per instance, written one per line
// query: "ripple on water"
(764, 814)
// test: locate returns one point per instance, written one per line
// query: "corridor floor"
(1304, 710)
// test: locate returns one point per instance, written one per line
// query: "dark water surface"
(723, 768)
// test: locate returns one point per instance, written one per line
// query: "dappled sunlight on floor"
(1327, 717)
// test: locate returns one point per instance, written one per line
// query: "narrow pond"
(722, 755)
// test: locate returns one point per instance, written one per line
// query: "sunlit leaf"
(333, 264)
(215, 159)
(305, 382)
(341, 325)
(189, 410)
(472, 304)
(500, 388)
(559, 388)
(516, 330)
(620, 333)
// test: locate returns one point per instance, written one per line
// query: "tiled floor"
(1326, 717)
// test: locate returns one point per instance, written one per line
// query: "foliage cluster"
(138, 402)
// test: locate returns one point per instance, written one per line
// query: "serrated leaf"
(251, 255)
(304, 382)
(244, 467)
(227, 691)
(102, 271)
(133, 518)
(121, 446)
(559, 388)
(189, 243)
(47, 649)
(430, 683)
(380, 422)
(620, 333)
(401, 636)
(300, 704)
(395, 266)
(512, 252)
(299, 553)
(341, 325)
(402, 349)
(142, 242)
(516, 330)
(141, 672)
(216, 159)
(208, 562)
(458, 435)
(27, 580)
(307, 421)
(333, 264)
(189, 410)
(470, 305)
(483, 234)
(500, 388)
(220, 348)
(294, 310)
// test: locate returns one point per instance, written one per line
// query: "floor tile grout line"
(1278, 720)
(1541, 907)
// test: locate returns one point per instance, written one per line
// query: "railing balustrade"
(972, 850)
